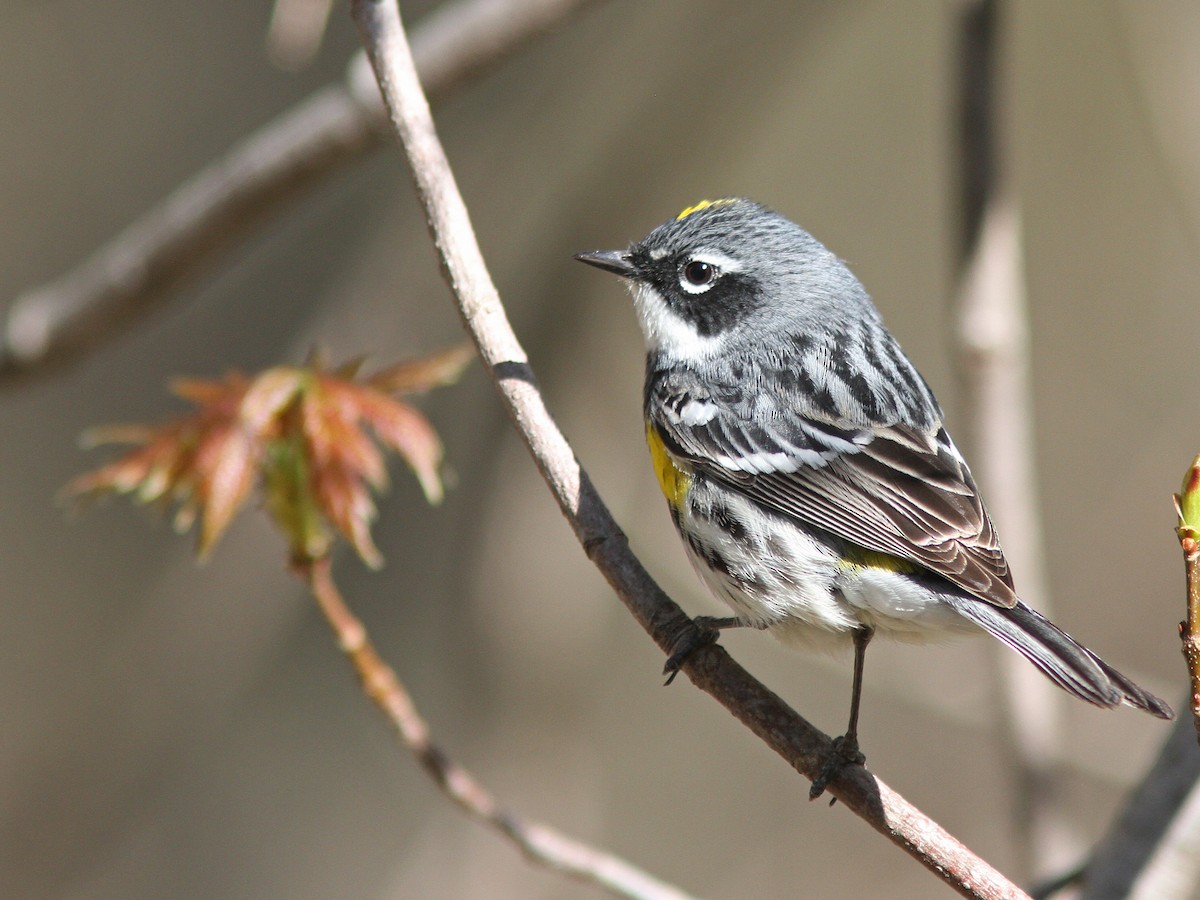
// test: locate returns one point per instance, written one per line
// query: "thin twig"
(540, 843)
(59, 322)
(1187, 508)
(1189, 629)
(798, 742)
(994, 361)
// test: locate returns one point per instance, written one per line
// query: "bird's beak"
(615, 261)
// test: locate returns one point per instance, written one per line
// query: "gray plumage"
(770, 376)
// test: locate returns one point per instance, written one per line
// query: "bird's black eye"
(698, 273)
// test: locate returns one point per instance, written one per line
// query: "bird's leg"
(702, 631)
(845, 748)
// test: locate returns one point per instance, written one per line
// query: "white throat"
(667, 332)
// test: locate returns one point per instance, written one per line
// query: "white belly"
(775, 576)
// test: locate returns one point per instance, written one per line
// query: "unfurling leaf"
(416, 375)
(297, 430)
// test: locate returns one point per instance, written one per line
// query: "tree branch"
(132, 274)
(803, 746)
(540, 843)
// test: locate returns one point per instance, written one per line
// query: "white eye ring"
(697, 276)
(701, 271)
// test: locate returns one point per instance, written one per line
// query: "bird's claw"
(699, 633)
(845, 752)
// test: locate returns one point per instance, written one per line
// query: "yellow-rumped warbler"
(804, 458)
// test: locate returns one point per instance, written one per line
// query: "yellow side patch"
(861, 558)
(703, 204)
(673, 480)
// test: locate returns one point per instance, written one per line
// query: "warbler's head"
(726, 273)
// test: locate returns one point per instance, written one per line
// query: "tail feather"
(1135, 695)
(1059, 656)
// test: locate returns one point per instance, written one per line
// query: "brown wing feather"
(906, 493)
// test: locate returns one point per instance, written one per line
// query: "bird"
(806, 463)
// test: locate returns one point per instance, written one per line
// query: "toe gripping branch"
(845, 753)
(699, 633)
(702, 631)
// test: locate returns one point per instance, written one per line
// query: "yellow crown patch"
(704, 204)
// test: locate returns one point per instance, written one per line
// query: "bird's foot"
(701, 631)
(845, 752)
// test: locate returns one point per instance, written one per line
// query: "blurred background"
(172, 730)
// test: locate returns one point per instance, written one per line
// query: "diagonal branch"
(540, 843)
(802, 745)
(132, 274)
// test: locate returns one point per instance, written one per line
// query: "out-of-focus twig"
(1052, 885)
(296, 31)
(1172, 871)
(803, 746)
(1150, 850)
(994, 357)
(540, 843)
(126, 278)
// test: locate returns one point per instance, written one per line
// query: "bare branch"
(124, 280)
(798, 742)
(540, 843)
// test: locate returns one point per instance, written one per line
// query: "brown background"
(188, 732)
